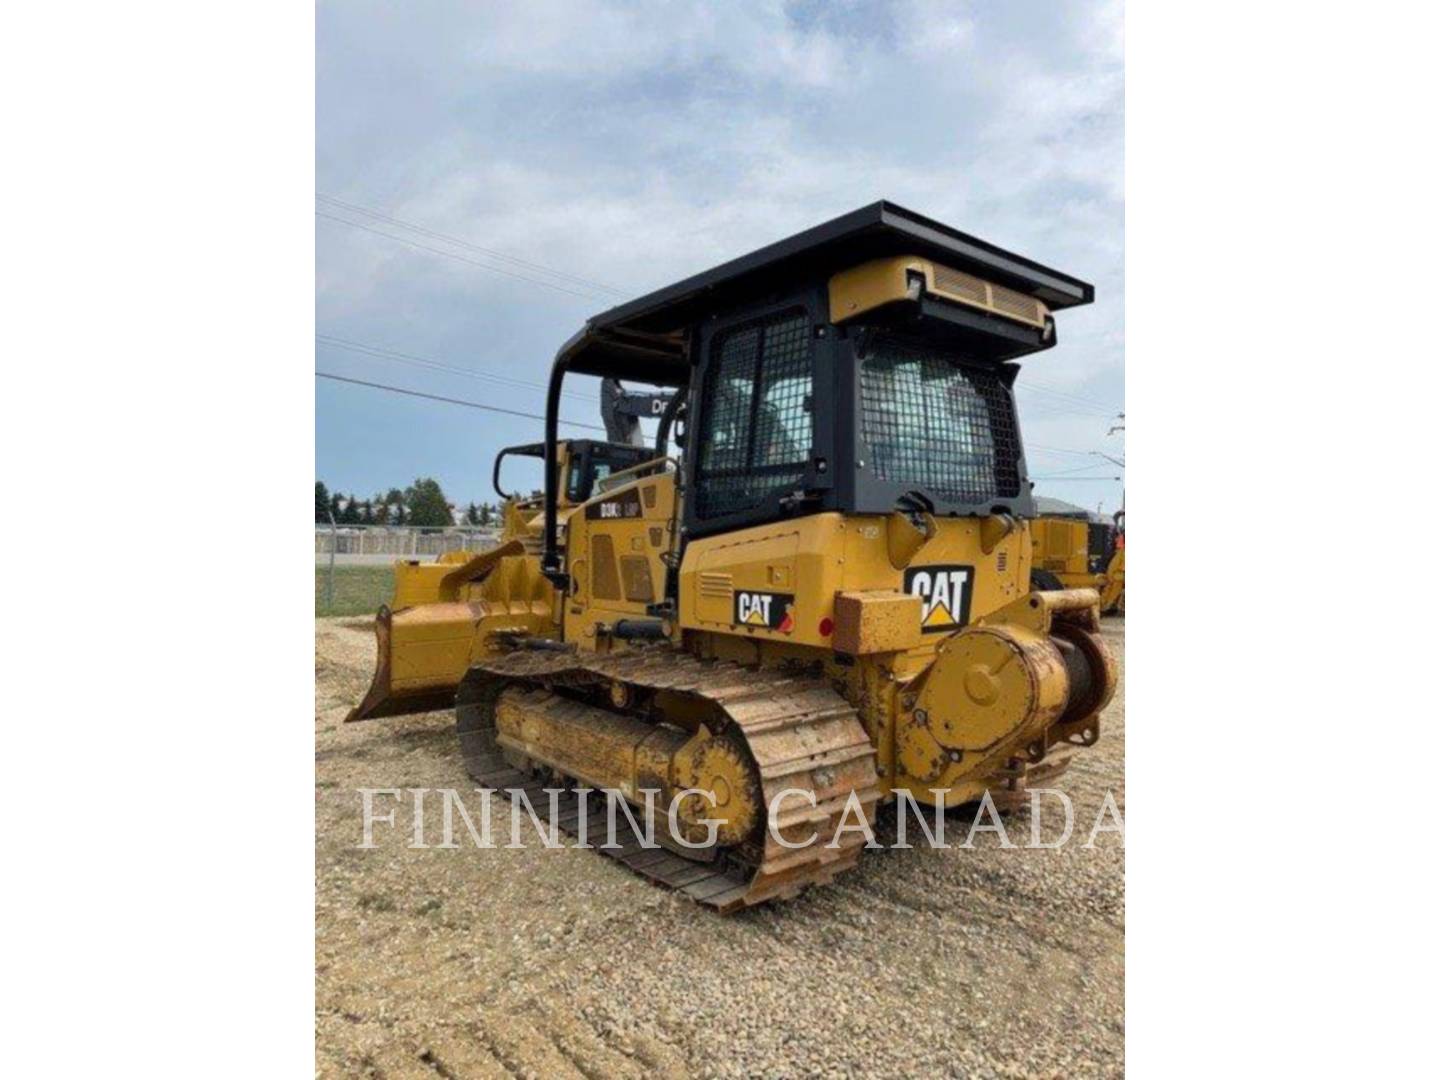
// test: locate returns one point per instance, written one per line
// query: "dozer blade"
(423, 650)
(418, 690)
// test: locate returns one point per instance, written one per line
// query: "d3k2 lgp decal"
(944, 593)
(622, 506)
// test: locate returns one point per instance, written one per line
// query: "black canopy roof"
(641, 340)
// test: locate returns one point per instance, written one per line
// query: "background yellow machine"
(1075, 552)
(826, 602)
(430, 633)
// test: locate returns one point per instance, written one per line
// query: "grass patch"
(359, 590)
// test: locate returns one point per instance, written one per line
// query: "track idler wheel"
(723, 770)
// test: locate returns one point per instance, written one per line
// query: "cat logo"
(772, 611)
(944, 593)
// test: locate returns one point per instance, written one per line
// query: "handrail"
(606, 483)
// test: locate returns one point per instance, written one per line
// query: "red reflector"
(827, 625)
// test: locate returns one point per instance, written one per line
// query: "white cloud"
(636, 143)
(935, 30)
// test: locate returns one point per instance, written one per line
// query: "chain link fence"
(382, 544)
(360, 556)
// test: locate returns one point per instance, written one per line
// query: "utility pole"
(330, 577)
(1120, 427)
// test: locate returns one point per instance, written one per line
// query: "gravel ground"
(539, 963)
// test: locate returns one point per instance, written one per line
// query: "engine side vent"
(604, 578)
(635, 576)
(716, 586)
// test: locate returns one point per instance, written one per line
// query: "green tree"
(367, 513)
(472, 515)
(487, 514)
(322, 504)
(382, 510)
(395, 500)
(350, 512)
(427, 504)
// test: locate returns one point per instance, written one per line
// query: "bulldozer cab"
(865, 367)
(582, 463)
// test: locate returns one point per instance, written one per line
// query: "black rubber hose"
(667, 421)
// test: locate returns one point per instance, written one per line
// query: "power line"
(461, 258)
(392, 354)
(1045, 388)
(1061, 407)
(1093, 406)
(592, 427)
(1075, 399)
(1070, 472)
(449, 400)
(588, 283)
(491, 252)
(1060, 450)
(1029, 384)
(597, 427)
(1036, 398)
(382, 353)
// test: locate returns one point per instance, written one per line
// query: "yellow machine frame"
(1062, 549)
(855, 644)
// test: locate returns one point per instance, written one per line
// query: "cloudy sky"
(500, 171)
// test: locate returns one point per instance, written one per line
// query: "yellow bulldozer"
(582, 463)
(431, 630)
(1074, 552)
(823, 604)
(429, 625)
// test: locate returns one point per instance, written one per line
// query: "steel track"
(801, 734)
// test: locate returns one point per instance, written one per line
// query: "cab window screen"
(933, 425)
(758, 425)
(575, 485)
(600, 461)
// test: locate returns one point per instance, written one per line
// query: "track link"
(801, 734)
